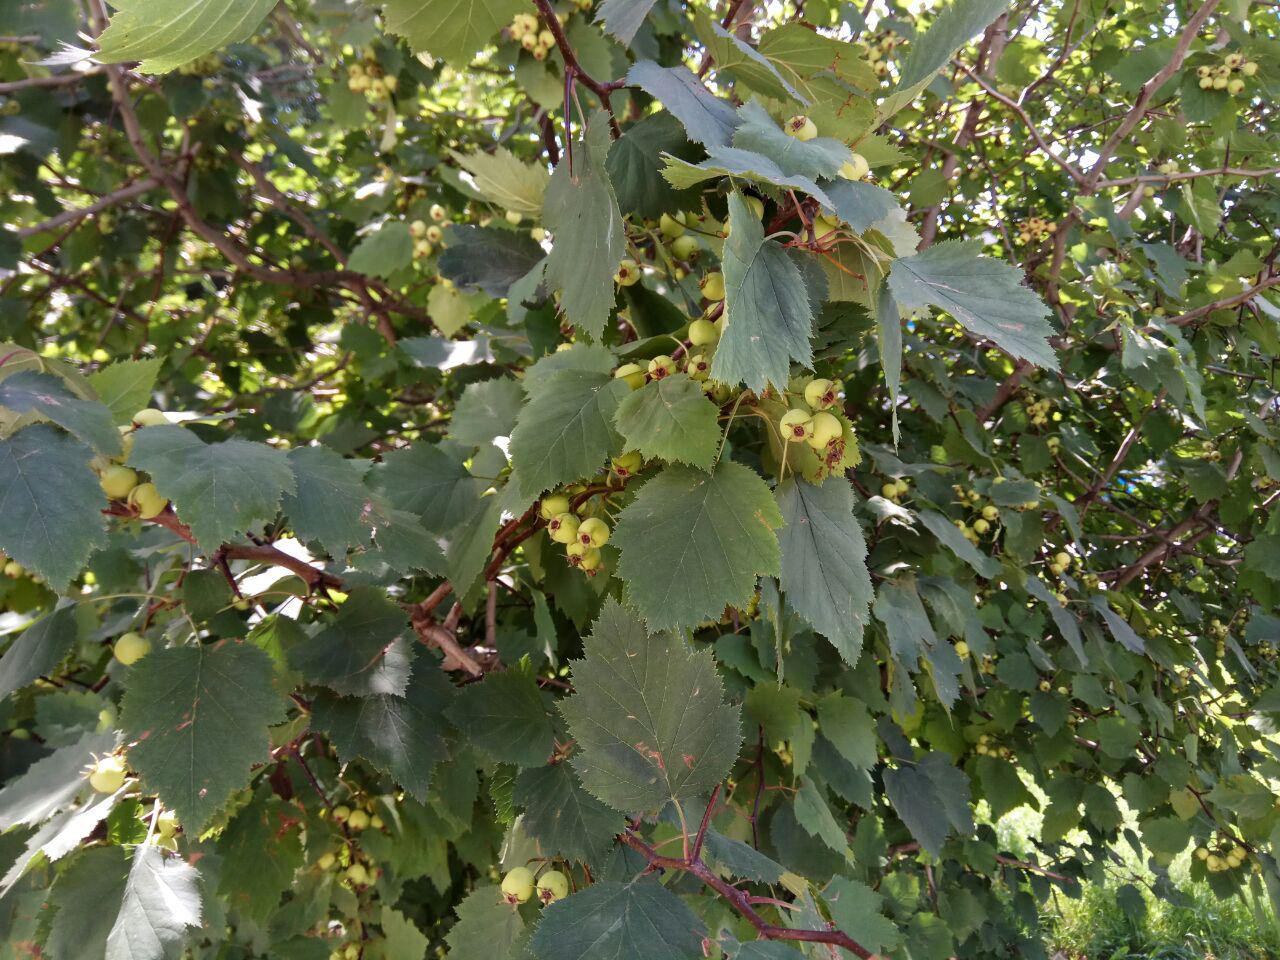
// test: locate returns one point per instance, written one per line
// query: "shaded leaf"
(362, 652)
(641, 920)
(670, 419)
(565, 819)
(29, 391)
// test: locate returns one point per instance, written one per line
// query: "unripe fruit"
(627, 274)
(755, 205)
(358, 875)
(150, 417)
(131, 647)
(703, 332)
(825, 227)
(146, 499)
(553, 506)
(1062, 559)
(1094, 89)
(661, 367)
(820, 394)
(1045, 686)
(107, 775)
(981, 526)
(801, 127)
(855, 168)
(1202, 853)
(117, 481)
(698, 367)
(593, 532)
(358, 820)
(564, 528)
(513, 217)
(517, 885)
(434, 234)
(627, 464)
(583, 557)
(1205, 83)
(1214, 863)
(902, 486)
(633, 373)
(326, 861)
(796, 425)
(890, 490)
(962, 650)
(418, 229)
(826, 427)
(341, 813)
(552, 886)
(1249, 68)
(684, 247)
(438, 213)
(713, 286)
(990, 512)
(13, 570)
(670, 226)
(377, 822)
(1235, 87)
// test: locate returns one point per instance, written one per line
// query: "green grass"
(1096, 927)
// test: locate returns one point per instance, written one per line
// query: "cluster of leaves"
(730, 459)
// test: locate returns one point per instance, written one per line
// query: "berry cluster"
(582, 537)
(119, 482)
(1036, 228)
(520, 884)
(1038, 412)
(895, 490)
(879, 52)
(988, 747)
(524, 30)
(1222, 857)
(1228, 75)
(426, 237)
(367, 77)
(986, 514)
(16, 571)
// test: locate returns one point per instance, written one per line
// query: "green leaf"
(953, 540)
(37, 649)
(816, 819)
(635, 167)
(401, 736)
(819, 157)
(804, 57)
(471, 543)
(504, 179)
(986, 296)
(50, 503)
(383, 251)
(649, 716)
(161, 902)
(733, 162)
(581, 212)
(707, 119)
(824, 561)
(488, 927)
(641, 920)
(218, 489)
(125, 386)
(622, 18)
(52, 783)
(28, 391)
(200, 716)
(932, 798)
(451, 309)
(847, 724)
(486, 258)
(1002, 786)
(402, 938)
(889, 340)
(165, 34)
(329, 498)
(431, 481)
(362, 652)
(451, 30)
(740, 859)
(928, 54)
(260, 850)
(740, 60)
(485, 411)
(670, 419)
(566, 430)
(861, 205)
(96, 876)
(564, 818)
(693, 543)
(505, 716)
(768, 318)
(855, 909)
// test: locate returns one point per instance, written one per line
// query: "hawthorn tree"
(645, 480)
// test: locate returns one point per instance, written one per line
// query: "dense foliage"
(650, 480)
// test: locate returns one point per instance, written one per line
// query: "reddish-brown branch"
(741, 901)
